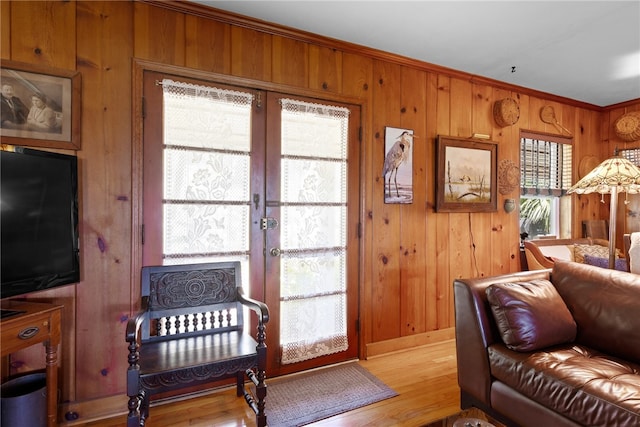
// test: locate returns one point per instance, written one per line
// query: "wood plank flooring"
(424, 377)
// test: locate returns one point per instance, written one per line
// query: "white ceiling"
(584, 50)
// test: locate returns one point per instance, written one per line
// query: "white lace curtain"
(207, 150)
(313, 235)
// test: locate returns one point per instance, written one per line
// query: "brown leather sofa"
(556, 347)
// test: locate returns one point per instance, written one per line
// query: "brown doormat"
(312, 396)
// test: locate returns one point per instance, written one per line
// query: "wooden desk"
(37, 323)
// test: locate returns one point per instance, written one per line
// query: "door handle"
(275, 251)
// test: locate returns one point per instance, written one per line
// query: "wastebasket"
(24, 401)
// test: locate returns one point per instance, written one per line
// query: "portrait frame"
(59, 90)
(398, 166)
(466, 175)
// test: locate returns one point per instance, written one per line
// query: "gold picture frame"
(41, 106)
(466, 177)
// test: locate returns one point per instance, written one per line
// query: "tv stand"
(35, 323)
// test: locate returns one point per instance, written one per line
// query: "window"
(631, 154)
(545, 209)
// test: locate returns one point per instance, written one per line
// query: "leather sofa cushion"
(605, 305)
(584, 385)
(530, 315)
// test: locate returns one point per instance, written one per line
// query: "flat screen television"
(39, 221)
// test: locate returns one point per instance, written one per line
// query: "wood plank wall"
(410, 254)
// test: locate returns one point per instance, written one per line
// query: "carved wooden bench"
(190, 331)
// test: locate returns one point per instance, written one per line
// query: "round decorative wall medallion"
(587, 164)
(506, 112)
(508, 176)
(627, 126)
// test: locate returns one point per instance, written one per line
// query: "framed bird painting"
(466, 178)
(397, 170)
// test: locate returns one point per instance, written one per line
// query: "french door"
(263, 178)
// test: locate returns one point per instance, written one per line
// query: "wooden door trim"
(139, 67)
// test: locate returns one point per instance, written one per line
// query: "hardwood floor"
(424, 377)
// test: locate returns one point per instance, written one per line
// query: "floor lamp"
(613, 176)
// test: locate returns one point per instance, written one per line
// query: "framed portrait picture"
(466, 175)
(397, 170)
(40, 106)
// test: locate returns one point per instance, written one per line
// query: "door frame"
(139, 67)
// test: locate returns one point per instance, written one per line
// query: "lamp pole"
(612, 226)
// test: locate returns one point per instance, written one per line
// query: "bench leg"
(138, 410)
(261, 393)
(240, 384)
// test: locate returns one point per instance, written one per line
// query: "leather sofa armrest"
(474, 376)
(476, 330)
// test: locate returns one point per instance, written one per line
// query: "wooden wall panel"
(413, 238)
(482, 112)
(250, 54)
(443, 228)
(535, 124)
(431, 250)
(386, 217)
(290, 61)
(207, 45)
(159, 34)
(39, 42)
(106, 193)
(325, 69)
(586, 144)
(5, 30)
(506, 232)
(357, 77)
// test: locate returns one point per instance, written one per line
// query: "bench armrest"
(536, 260)
(260, 308)
(135, 322)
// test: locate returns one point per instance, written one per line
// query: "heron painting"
(397, 171)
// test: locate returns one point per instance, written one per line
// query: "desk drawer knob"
(29, 332)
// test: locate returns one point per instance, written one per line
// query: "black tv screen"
(39, 221)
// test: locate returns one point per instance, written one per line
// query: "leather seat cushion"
(582, 384)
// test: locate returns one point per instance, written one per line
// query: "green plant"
(535, 212)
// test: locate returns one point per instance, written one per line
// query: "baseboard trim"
(410, 341)
(93, 410)
(116, 406)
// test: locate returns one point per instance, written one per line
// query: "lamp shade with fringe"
(614, 175)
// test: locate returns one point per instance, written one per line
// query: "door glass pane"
(206, 158)
(313, 232)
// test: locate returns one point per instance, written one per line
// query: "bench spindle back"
(188, 303)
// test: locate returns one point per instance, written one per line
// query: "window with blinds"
(631, 154)
(545, 167)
